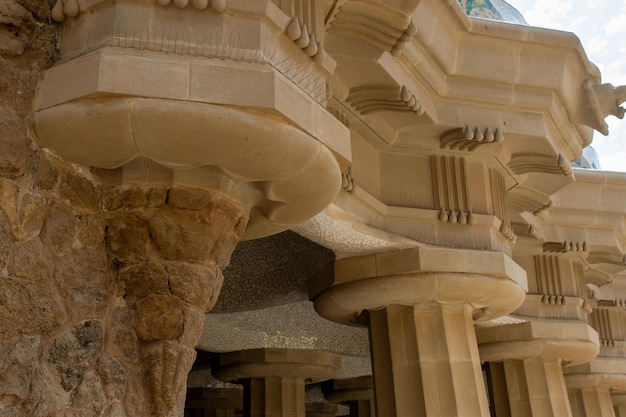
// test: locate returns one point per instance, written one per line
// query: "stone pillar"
(549, 331)
(619, 405)
(420, 305)
(532, 354)
(590, 384)
(213, 402)
(168, 248)
(591, 401)
(274, 379)
(358, 393)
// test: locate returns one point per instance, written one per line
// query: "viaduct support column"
(274, 379)
(420, 305)
(549, 331)
(357, 392)
(532, 354)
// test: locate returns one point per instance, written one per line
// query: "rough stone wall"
(100, 308)
(54, 277)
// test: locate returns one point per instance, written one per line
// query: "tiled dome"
(492, 9)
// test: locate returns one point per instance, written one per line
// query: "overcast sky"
(601, 27)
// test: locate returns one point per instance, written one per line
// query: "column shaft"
(362, 408)
(425, 361)
(593, 401)
(536, 388)
(274, 397)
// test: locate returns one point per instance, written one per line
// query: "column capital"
(490, 282)
(570, 342)
(353, 389)
(602, 372)
(306, 364)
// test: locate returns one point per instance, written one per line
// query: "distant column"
(274, 379)
(358, 393)
(213, 402)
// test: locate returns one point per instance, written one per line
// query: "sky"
(601, 27)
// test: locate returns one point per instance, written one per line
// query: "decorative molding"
(524, 163)
(526, 230)
(347, 180)
(370, 99)
(524, 199)
(469, 138)
(606, 258)
(365, 22)
(63, 9)
(604, 100)
(565, 247)
(500, 204)
(451, 189)
(339, 115)
(304, 39)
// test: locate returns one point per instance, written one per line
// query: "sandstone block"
(198, 285)
(80, 191)
(45, 170)
(32, 215)
(59, 230)
(89, 398)
(159, 317)
(31, 261)
(128, 236)
(142, 279)
(112, 375)
(29, 307)
(83, 283)
(17, 369)
(74, 351)
(13, 143)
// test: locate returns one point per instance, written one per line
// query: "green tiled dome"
(492, 9)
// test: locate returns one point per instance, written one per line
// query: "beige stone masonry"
(590, 400)
(274, 379)
(619, 404)
(357, 392)
(420, 305)
(321, 410)
(218, 109)
(213, 402)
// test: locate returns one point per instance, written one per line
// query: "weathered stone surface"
(128, 236)
(182, 234)
(112, 375)
(13, 144)
(74, 351)
(91, 231)
(32, 214)
(48, 398)
(198, 235)
(83, 282)
(9, 201)
(81, 192)
(159, 317)
(17, 369)
(115, 410)
(194, 324)
(125, 341)
(139, 280)
(45, 170)
(188, 198)
(196, 284)
(5, 241)
(89, 398)
(144, 197)
(31, 261)
(168, 364)
(27, 307)
(59, 230)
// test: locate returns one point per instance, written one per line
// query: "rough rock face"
(100, 308)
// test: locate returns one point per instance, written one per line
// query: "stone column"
(619, 405)
(168, 248)
(274, 379)
(532, 353)
(213, 402)
(420, 305)
(358, 393)
(590, 384)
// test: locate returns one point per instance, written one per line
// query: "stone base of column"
(532, 354)
(321, 410)
(274, 379)
(358, 393)
(213, 402)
